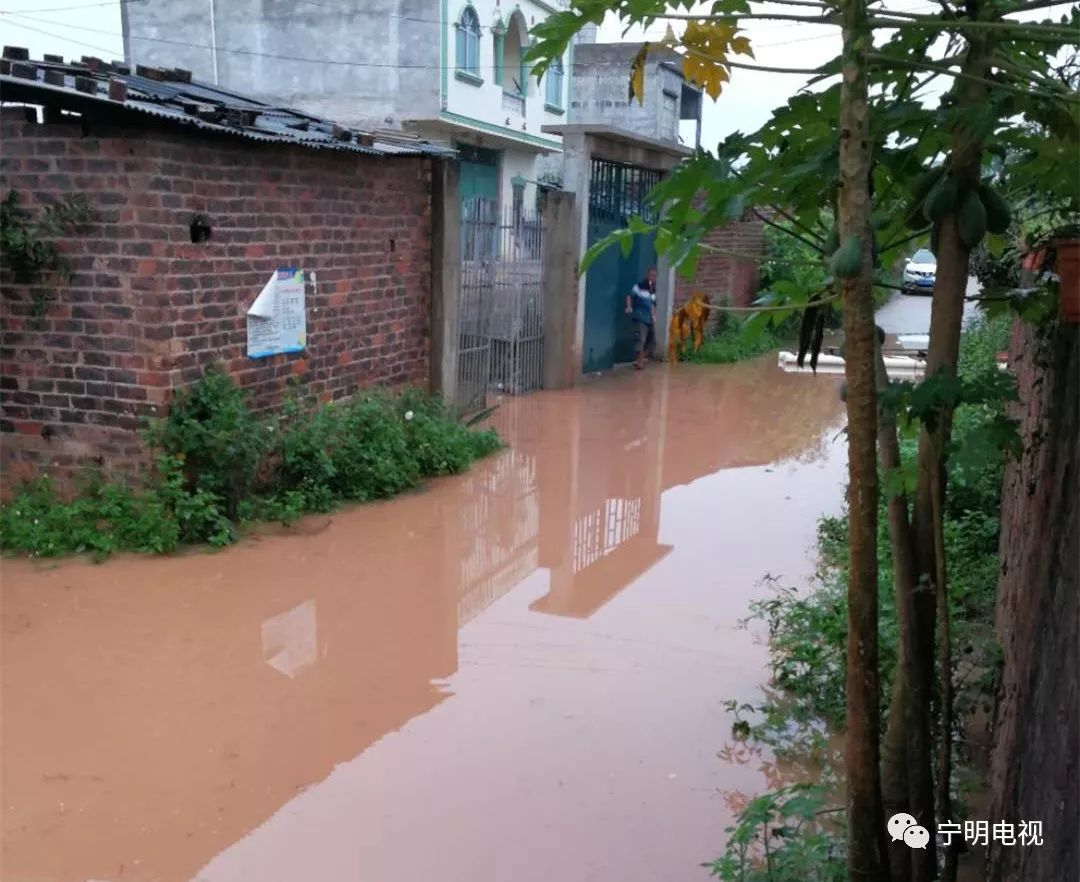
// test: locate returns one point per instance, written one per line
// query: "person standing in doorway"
(641, 307)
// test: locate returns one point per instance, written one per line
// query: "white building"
(451, 70)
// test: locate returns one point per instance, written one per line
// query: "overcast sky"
(91, 27)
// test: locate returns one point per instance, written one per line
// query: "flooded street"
(516, 674)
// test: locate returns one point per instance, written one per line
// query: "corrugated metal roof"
(94, 85)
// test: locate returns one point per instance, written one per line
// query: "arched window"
(468, 42)
(553, 80)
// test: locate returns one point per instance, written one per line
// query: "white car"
(919, 273)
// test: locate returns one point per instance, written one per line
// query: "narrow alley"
(518, 673)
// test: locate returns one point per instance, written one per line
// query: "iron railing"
(513, 102)
(500, 314)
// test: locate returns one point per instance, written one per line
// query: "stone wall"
(147, 309)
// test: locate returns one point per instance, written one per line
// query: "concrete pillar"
(445, 277)
(560, 293)
(577, 173)
(665, 300)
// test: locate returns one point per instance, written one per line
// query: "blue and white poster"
(277, 320)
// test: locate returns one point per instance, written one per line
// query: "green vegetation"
(808, 634)
(29, 244)
(785, 836)
(729, 344)
(220, 466)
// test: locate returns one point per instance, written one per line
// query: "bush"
(216, 438)
(788, 835)
(808, 634)
(809, 631)
(730, 344)
(220, 465)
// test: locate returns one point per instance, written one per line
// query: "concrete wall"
(365, 63)
(518, 163)
(388, 51)
(147, 310)
(601, 72)
(483, 101)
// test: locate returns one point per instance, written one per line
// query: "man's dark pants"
(644, 339)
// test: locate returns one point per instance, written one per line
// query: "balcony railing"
(513, 102)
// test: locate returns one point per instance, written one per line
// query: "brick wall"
(147, 310)
(722, 276)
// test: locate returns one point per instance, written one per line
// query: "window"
(468, 42)
(554, 84)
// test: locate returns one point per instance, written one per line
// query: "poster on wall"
(277, 320)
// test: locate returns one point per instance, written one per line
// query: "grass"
(730, 344)
(220, 467)
(808, 636)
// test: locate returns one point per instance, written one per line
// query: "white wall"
(516, 162)
(484, 102)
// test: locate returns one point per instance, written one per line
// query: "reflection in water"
(148, 726)
(288, 639)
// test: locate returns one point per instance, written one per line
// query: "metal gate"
(616, 192)
(500, 313)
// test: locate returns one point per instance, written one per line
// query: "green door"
(616, 192)
(479, 173)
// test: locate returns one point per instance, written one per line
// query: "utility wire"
(69, 8)
(20, 19)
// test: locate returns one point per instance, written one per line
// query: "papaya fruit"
(832, 241)
(925, 182)
(914, 219)
(998, 214)
(971, 219)
(848, 259)
(942, 199)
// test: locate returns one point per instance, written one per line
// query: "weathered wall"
(351, 60)
(1034, 768)
(599, 94)
(147, 310)
(725, 276)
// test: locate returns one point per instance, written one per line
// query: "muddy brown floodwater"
(517, 674)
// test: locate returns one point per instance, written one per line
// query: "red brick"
(148, 310)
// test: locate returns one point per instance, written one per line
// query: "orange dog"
(688, 320)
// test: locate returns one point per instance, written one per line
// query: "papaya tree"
(857, 170)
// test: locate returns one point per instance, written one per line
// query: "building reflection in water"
(289, 639)
(579, 491)
(201, 693)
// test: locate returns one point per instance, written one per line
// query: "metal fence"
(500, 312)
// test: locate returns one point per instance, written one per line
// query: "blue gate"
(616, 192)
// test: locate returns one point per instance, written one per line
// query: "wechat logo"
(904, 827)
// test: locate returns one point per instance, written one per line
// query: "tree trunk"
(897, 766)
(945, 725)
(946, 318)
(866, 823)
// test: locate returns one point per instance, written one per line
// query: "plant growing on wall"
(29, 245)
